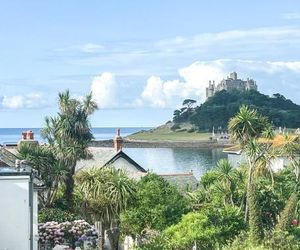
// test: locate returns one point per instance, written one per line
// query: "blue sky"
(140, 58)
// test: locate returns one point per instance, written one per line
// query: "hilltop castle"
(229, 84)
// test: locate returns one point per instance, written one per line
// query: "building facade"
(231, 83)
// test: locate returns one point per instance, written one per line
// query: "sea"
(158, 160)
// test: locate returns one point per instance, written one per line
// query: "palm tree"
(69, 135)
(50, 169)
(106, 192)
(245, 127)
(226, 176)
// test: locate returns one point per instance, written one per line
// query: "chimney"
(30, 135)
(24, 135)
(118, 141)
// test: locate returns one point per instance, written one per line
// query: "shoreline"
(162, 144)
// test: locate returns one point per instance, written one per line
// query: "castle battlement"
(231, 83)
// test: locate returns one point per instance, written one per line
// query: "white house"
(18, 208)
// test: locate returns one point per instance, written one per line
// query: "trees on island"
(217, 110)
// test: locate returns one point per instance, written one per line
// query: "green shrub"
(191, 130)
(55, 214)
(209, 229)
(281, 240)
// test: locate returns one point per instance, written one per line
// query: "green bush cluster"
(55, 214)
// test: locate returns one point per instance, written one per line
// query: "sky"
(140, 59)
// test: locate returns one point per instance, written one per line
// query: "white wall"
(128, 168)
(14, 213)
(35, 220)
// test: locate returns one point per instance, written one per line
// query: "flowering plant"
(75, 233)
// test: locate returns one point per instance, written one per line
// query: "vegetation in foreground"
(250, 207)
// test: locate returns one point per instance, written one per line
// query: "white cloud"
(144, 57)
(84, 48)
(91, 48)
(32, 100)
(13, 102)
(157, 93)
(191, 84)
(104, 89)
(258, 36)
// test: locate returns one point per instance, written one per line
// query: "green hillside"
(217, 110)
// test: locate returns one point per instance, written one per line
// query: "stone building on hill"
(229, 84)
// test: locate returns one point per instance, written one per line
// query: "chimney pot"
(118, 141)
(30, 135)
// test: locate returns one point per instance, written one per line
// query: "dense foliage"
(106, 193)
(55, 214)
(249, 207)
(217, 110)
(157, 205)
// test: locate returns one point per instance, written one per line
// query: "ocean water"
(13, 135)
(177, 160)
(158, 160)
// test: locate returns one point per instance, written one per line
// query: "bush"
(279, 240)
(191, 130)
(210, 229)
(157, 205)
(55, 214)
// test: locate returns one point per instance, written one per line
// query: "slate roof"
(8, 157)
(100, 157)
(121, 154)
(184, 181)
(104, 157)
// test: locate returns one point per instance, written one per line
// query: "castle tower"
(233, 76)
(210, 90)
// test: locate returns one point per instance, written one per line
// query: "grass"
(166, 134)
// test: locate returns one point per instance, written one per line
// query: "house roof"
(100, 157)
(184, 181)
(104, 157)
(121, 154)
(8, 156)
